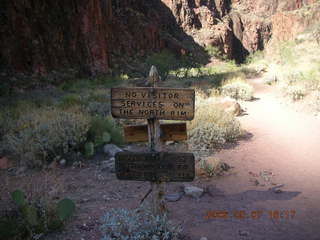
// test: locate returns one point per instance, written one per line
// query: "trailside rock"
(231, 106)
(111, 149)
(192, 191)
(173, 197)
(108, 165)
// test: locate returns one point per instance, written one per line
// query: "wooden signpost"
(153, 104)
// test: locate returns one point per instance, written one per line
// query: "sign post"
(157, 188)
(154, 103)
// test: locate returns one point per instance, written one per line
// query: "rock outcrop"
(37, 37)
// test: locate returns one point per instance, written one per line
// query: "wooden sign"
(169, 132)
(157, 166)
(153, 103)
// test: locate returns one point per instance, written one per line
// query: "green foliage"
(70, 100)
(215, 52)
(103, 130)
(65, 209)
(287, 54)
(34, 219)
(89, 149)
(30, 214)
(40, 135)
(139, 224)
(164, 62)
(209, 166)
(238, 90)
(18, 197)
(255, 57)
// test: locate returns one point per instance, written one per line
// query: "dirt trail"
(284, 150)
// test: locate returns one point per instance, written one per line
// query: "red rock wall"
(286, 25)
(39, 36)
(89, 35)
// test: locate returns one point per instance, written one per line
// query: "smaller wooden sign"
(169, 132)
(153, 103)
(157, 166)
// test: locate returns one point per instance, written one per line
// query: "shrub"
(206, 136)
(238, 90)
(166, 62)
(70, 100)
(296, 92)
(42, 134)
(212, 126)
(103, 130)
(213, 51)
(137, 224)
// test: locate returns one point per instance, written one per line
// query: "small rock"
(111, 149)
(224, 166)
(243, 233)
(108, 165)
(203, 238)
(4, 163)
(52, 165)
(194, 192)
(21, 171)
(213, 191)
(62, 162)
(278, 191)
(169, 142)
(173, 197)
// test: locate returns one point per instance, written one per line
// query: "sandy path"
(283, 142)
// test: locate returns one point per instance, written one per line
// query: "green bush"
(40, 135)
(238, 90)
(103, 130)
(215, 52)
(70, 100)
(140, 224)
(35, 218)
(165, 61)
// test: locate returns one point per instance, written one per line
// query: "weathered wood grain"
(168, 132)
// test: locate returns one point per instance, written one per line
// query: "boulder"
(231, 106)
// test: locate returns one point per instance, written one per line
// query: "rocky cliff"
(236, 27)
(37, 37)
(90, 36)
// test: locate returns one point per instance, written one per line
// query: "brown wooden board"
(169, 132)
(157, 166)
(157, 103)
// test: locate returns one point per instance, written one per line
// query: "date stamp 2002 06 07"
(256, 214)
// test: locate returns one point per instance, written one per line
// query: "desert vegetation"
(293, 65)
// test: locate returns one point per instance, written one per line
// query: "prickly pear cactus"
(89, 149)
(18, 197)
(106, 137)
(65, 209)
